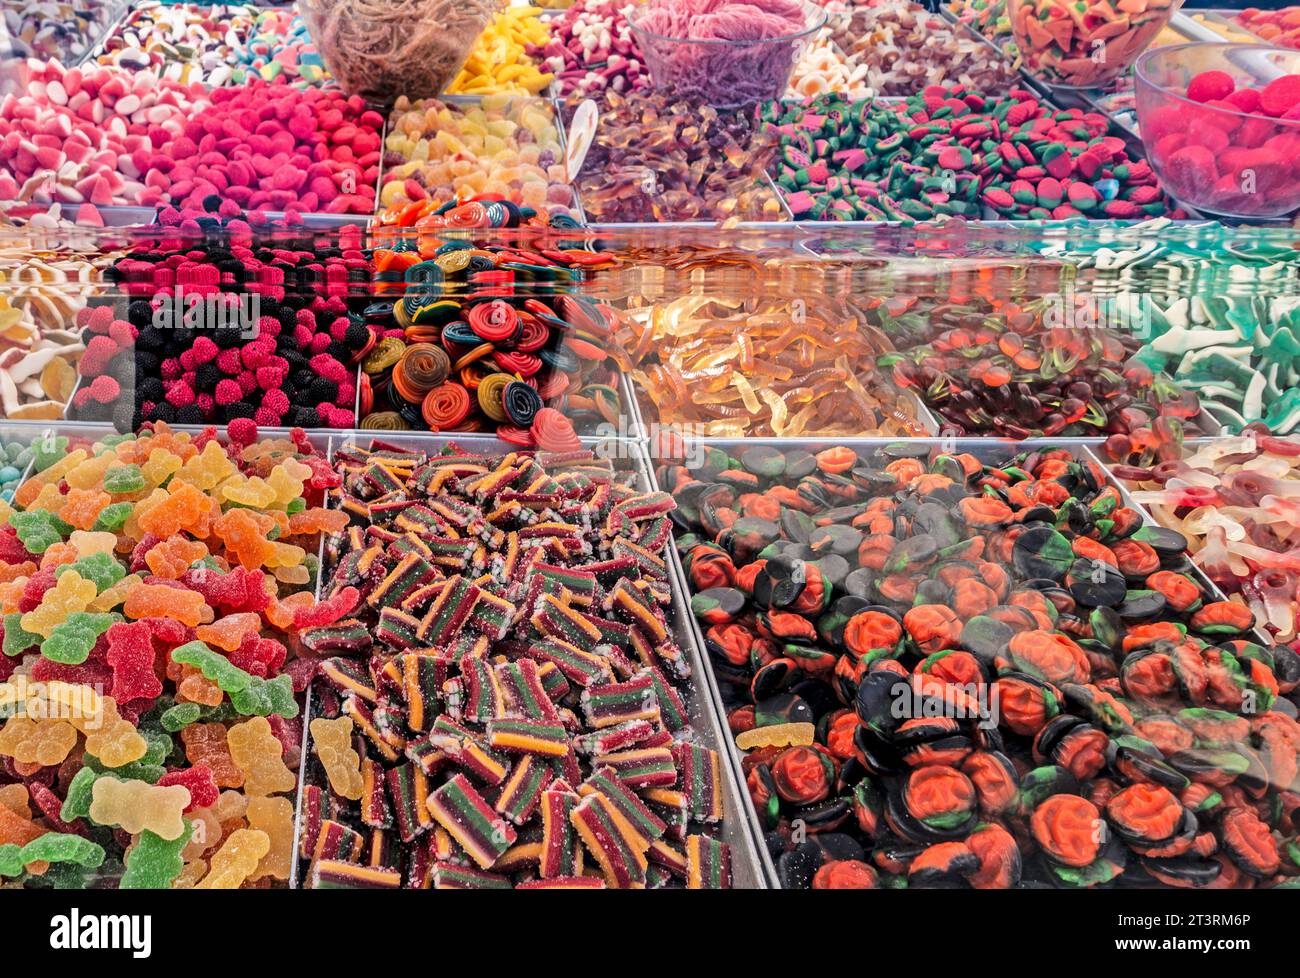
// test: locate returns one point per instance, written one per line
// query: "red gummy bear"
(200, 781)
(12, 550)
(328, 611)
(35, 589)
(261, 656)
(131, 654)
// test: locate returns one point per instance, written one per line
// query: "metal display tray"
(707, 726)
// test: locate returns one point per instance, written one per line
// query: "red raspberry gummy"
(1279, 95)
(1210, 85)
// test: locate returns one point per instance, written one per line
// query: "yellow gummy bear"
(286, 555)
(259, 754)
(332, 742)
(49, 498)
(71, 592)
(45, 742)
(236, 860)
(159, 467)
(287, 479)
(138, 805)
(274, 816)
(113, 596)
(255, 492)
(88, 542)
(208, 468)
(90, 473)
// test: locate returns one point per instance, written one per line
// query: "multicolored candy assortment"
(949, 672)
(154, 591)
(502, 698)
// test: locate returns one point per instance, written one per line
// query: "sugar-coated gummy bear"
(137, 805)
(52, 847)
(46, 742)
(274, 816)
(131, 656)
(72, 639)
(332, 743)
(236, 860)
(154, 862)
(71, 593)
(259, 754)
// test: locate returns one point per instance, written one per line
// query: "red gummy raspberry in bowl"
(1210, 85)
(1279, 95)
(1244, 100)
(1191, 169)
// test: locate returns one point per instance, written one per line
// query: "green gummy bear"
(11, 860)
(149, 768)
(76, 803)
(100, 568)
(123, 478)
(72, 639)
(63, 847)
(153, 863)
(39, 529)
(296, 506)
(180, 716)
(249, 694)
(112, 516)
(47, 451)
(111, 441)
(17, 641)
(262, 697)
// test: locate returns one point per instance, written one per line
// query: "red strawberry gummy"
(1244, 99)
(1210, 85)
(1279, 95)
(201, 782)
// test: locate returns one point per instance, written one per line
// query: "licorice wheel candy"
(491, 396)
(521, 403)
(524, 364)
(446, 407)
(495, 322)
(553, 432)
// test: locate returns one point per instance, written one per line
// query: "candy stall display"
(832, 581)
(687, 444)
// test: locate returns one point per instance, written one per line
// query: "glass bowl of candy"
(1066, 47)
(730, 56)
(1221, 125)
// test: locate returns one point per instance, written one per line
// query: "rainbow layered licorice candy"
(515, 690)
(948, 672)
(153, 590)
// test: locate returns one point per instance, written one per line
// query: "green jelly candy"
(153, 863)
(47, 451)
(63, 847)
(39, 529)
(11, 860)
(123, 478)
(249, 694)
(17, 641)
(100, 568)
(74, 637)
(112, 516)
(181, 716)
(76, 803)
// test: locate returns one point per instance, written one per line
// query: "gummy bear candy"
(46, 742)
(131, 655)
(252, 492)
(72, 639)
(205, 743)
(70, 594)
(172, 558)
(161, 601)
(52, 847)
(245, 536)
(154, 862)
(236, 860)
(122, 479)
(274, 816)
(207, 469)
(228, 633)
(199, 780)
(183, 508)
(83, 506)
(332, 743)
(249, 694)
(112, 517)
(259, 754)
(38, 529)
(137, 805)
(16, 639)
(98, 567)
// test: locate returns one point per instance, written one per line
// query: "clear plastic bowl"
(1224, 162)
(725, 74)
(1079, 53)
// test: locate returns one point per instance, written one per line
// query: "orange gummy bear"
(162, 601)
(184, 508)
(229, 633)
(318, 520)
(172, 558)
(205, 743)
(82, 507)
(245, 535)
